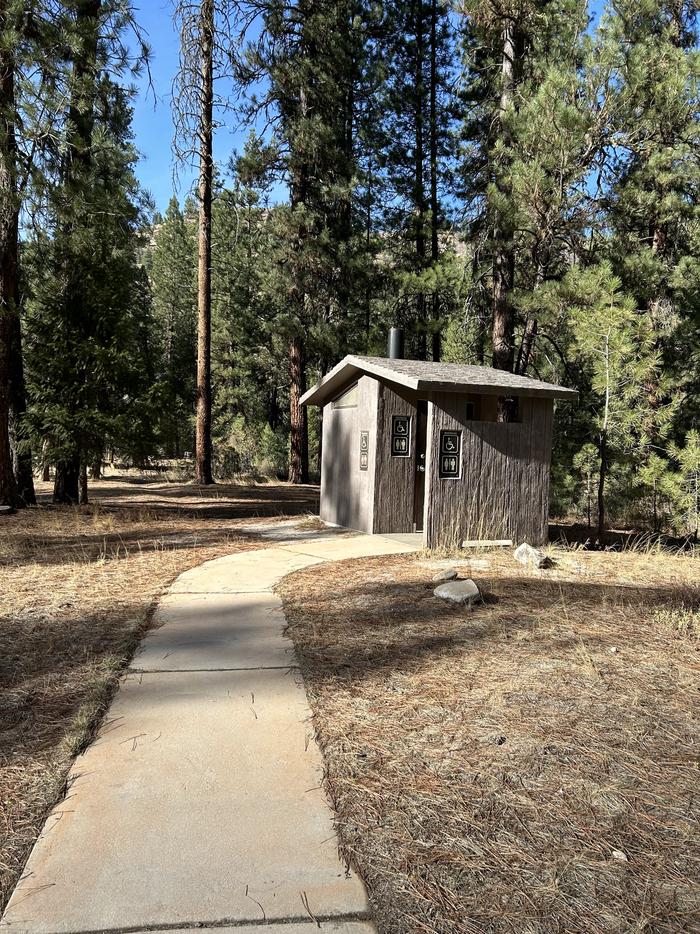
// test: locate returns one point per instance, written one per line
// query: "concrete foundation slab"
(358, 546)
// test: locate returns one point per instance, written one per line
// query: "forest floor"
(77, 588)
(529, 766)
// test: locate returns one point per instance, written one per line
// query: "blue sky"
(153, 126)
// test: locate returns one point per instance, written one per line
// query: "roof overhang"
(351, 368)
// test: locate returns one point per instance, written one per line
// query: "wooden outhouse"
(409, 446)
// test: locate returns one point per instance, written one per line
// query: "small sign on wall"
(364, 450)
(400, 435)
(450, 454)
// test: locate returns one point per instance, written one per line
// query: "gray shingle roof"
(428, 376)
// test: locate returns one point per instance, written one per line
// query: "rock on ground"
(449, 574)
(532, 557)
(463, 592)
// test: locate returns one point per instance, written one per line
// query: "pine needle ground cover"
(529, 766)
(77, 587)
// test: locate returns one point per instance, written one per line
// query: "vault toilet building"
(410, 446)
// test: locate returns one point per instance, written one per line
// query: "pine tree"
(306, 53)
(687, 457)
(247, 356)
(29, 72)
(86, 311)
(653, 193)
(416, 146)
(208, 49)
(173, 275)
(615, 344)
(9, 213)
(528, 143)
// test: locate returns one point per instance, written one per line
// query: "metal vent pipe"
(395, 344)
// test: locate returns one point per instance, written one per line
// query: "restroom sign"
(364, 450)
(450, 454)
(400, 435)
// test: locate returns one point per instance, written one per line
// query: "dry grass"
(530, 766)
(76, 589)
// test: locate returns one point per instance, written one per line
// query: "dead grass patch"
(530, 766)
(77, 586)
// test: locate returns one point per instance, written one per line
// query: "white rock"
(618, 854)
(449, 574)
(533, 557)
(463, 592)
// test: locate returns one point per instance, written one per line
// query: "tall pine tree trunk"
(419, 180)
(83, 484)
(300, 195)
(79, 158)
(8, 253)
(503, 252)
(527, 346)
(434, 203)
(299, 430)
(66, 487)
(21, 452)
(203, 467)
(10, 298)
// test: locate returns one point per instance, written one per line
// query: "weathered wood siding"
(503, 490)
(347, 493)
(395, 482)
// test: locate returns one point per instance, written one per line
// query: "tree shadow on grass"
(373, 626)
(120, 520)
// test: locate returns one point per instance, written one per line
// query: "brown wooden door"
(421, 441)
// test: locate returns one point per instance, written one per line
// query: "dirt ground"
(531, 765)
(77, 586)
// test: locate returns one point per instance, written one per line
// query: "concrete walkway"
(199, 804)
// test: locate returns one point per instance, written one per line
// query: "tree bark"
(203, 457)
(527, 345)
(8, 255)
(503, 252)
(299, 427)
(83, 485)
(66, 488)
(419, 183)
(434, 202)
(21, 452)
(79, 157)
(602, 476)
(603, 444)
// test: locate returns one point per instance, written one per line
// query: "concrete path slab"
(245, 572)
(200, 802)
(330, 927)
(181, 644)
